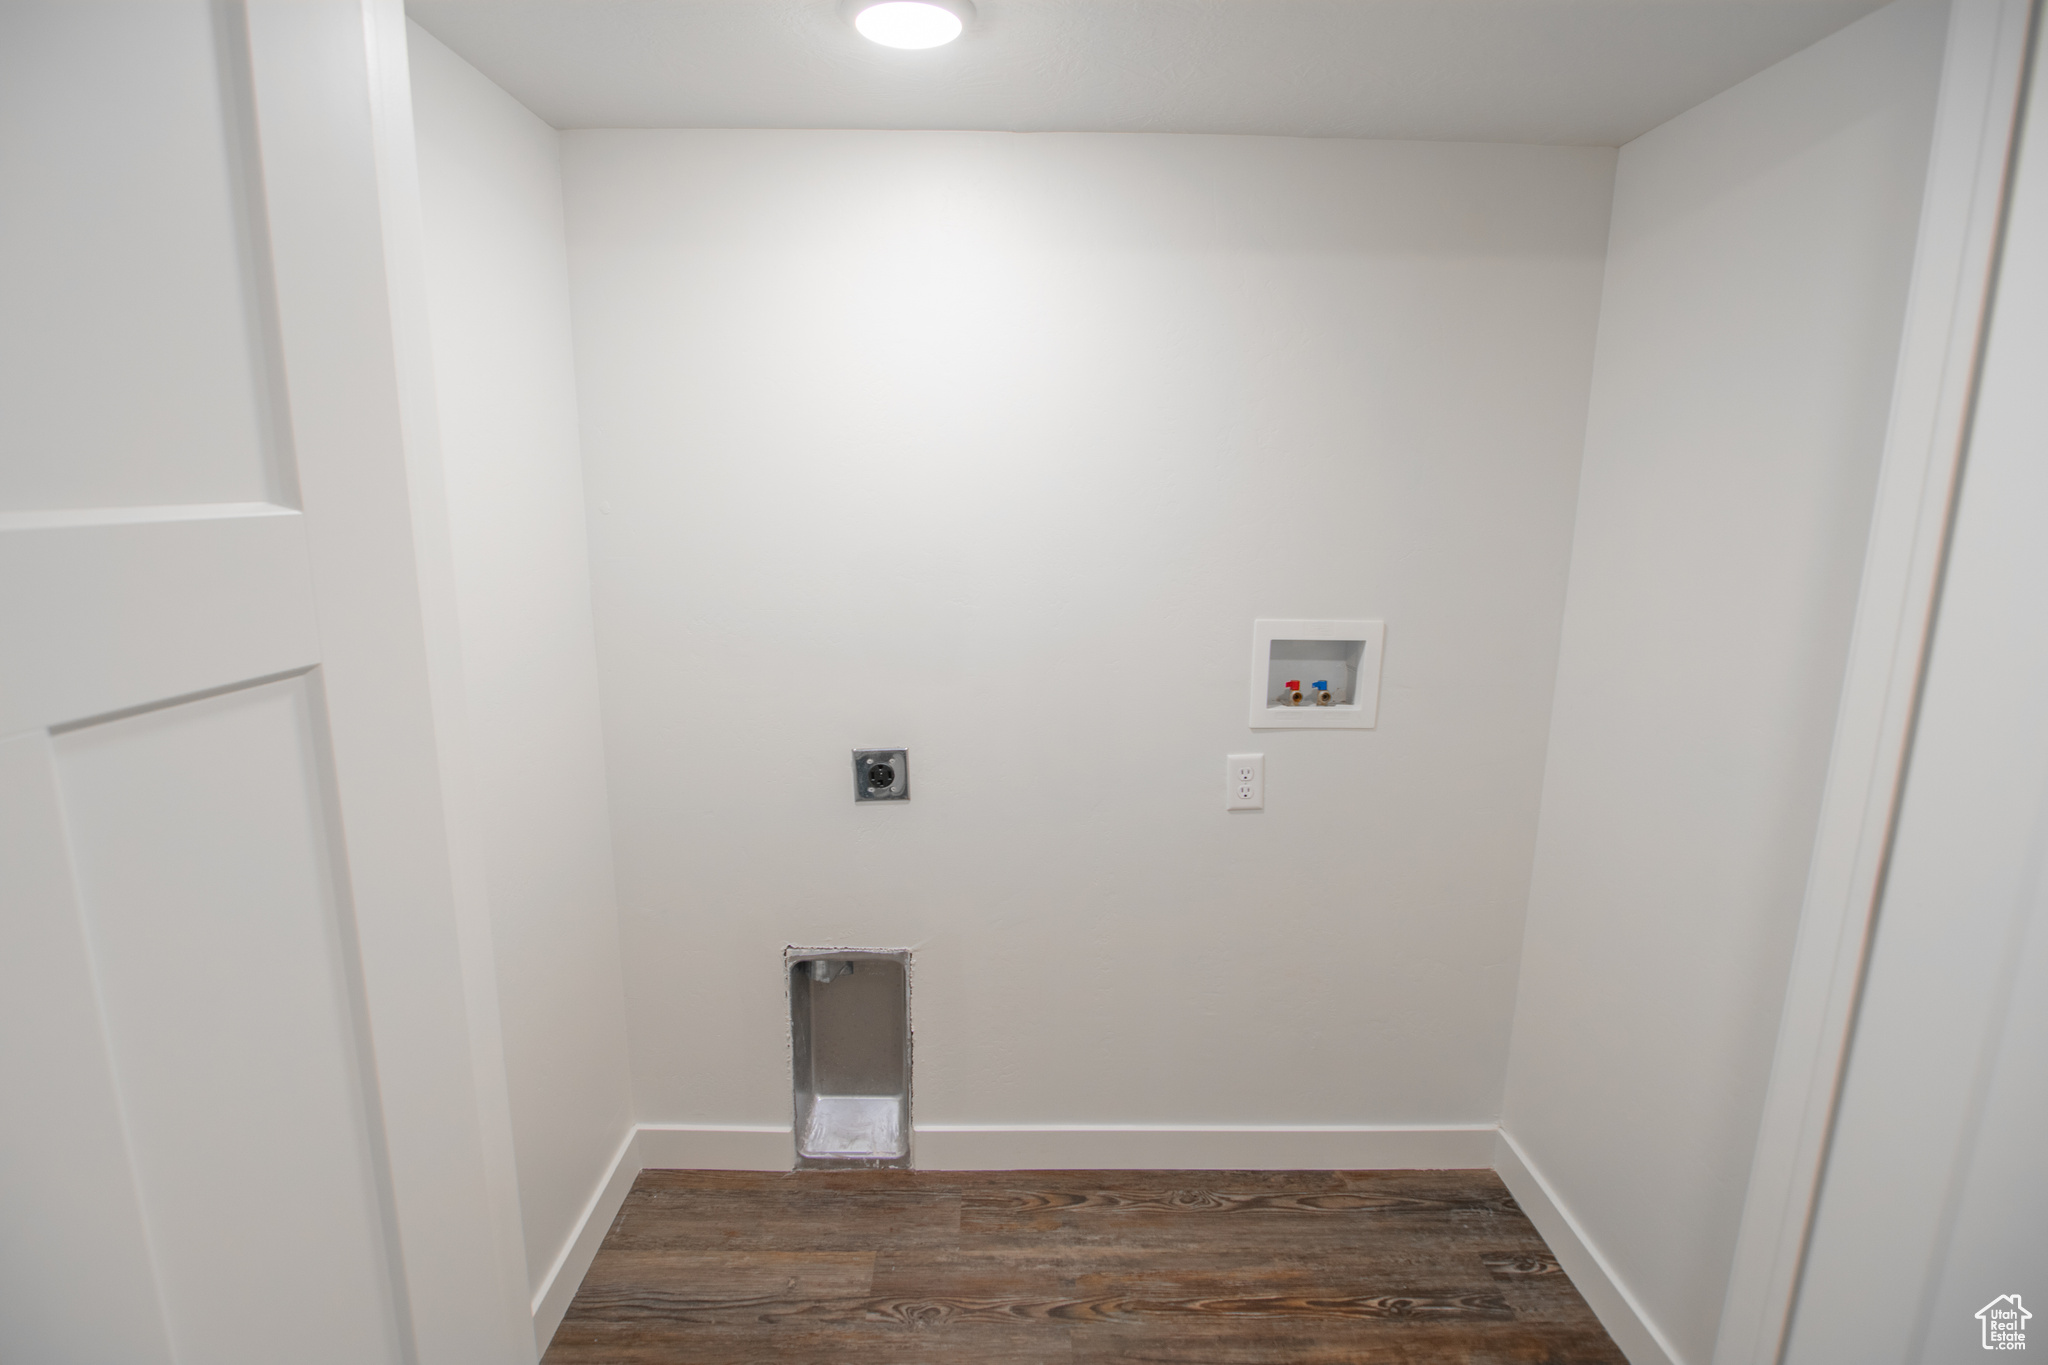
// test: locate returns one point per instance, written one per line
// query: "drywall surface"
(490, 186)
(1755, 290)
(993, 447)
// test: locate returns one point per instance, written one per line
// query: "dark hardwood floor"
(1088, 1267)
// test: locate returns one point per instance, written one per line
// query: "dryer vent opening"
(849, 1025)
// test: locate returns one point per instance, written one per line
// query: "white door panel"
(1935, 1198)
(69, 1215)
(239, 1113)
(105, 618)
(199, 834)
(178, 908)
(131, 360)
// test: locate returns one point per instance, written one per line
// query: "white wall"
(490, 186)
(993, 446)
(1749, 328)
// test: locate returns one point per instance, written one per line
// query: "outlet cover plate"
(881, 774)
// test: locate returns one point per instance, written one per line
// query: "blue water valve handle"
(1321, 686)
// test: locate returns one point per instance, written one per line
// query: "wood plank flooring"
(1076, 1267)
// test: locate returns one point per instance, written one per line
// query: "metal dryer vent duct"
(849, 1031)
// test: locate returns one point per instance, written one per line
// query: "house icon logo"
(2005, 1323)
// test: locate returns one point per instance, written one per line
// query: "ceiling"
(1589, 72)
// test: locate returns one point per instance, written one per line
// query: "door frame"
(1969, 165)
(333, 139)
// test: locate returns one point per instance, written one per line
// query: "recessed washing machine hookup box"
(1316, 675)
(849, 1033)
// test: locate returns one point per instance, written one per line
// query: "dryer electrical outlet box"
(881, 774)
(849, 1052)
(1316, 675)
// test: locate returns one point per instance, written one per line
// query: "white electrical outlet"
(1246, 789)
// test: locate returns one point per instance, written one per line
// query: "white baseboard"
(562, 1281)
(715, 1147)
(1025, 1147)
(979, 1147)
(1605, 1294)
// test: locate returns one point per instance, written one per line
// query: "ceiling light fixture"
(912, 23)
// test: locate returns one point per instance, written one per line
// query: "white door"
(239, 1109)
(1935, 1202)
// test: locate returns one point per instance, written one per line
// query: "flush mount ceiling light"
(911, 23)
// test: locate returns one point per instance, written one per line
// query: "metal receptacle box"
(849, 1029)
